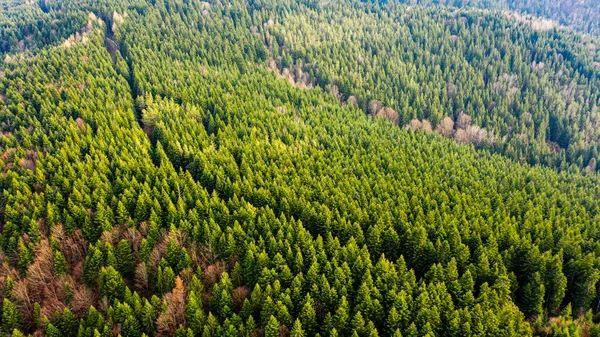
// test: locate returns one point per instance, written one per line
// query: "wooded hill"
(184, 154)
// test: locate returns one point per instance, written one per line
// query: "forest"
(296, 168)
(583, 16)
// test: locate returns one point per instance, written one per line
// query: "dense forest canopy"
(190, 168)
(29, 26)
(583, 16)
(532, 94)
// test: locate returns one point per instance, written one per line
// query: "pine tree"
(272, 327)
(225, 306)
(11, 317)
(52, 331)
(412, 331)
(92, 265)
(60, 263)
(148, 318)
(165, 280)
(341, 317)
(308, 317)
(556, 284)
(25, 255)
(533, 296)
(17, 333)
(145, 249)
(111, 284)
(358, 324)
(131, 327)
(124, 257)
(297, 330)
(393, 321)
(68, 323)
(122, 215)
(173, 254)
(466, 290)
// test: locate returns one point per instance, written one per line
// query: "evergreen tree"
(11, 317)
(297, 330)
(60, 263)
(272, 327)
(111, 284)
(124, 259)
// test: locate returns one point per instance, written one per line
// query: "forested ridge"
(194, 168)
(580, 15)
(505, 85)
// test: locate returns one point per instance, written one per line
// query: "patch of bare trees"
(376, 109)
(296, 75)
(462, 130)
(173, 316)
(53, 292)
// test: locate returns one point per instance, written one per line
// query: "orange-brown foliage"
(169, 320)
(41, 285)
(446, 127)
(73, 247)
(238, 295)
(463, 121)
(373, 107)
(80, 123)
(352, 100)
(141, 279)
(284, 331)
(212, 274)
(389, 114)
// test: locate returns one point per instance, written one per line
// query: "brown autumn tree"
(446, 127)
(169, 320)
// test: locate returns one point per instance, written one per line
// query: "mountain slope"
(182, 172)
(583, 16)
(530, 95)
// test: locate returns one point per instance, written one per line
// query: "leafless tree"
(374, 106)
(389, 114)
(169, 320)
(463, 121)
(446, 127)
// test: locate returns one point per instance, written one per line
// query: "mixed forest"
(583, 16)
(296, 168)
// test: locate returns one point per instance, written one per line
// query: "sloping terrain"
(478, 77)
(583, 16)
(175, 167)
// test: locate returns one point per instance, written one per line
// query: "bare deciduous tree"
(238, 295)
(169, 320)
(374, 107)
(389, 114)
(414, 124)
(446, 127)
(463, 121)
(426, 125)
(352, 101)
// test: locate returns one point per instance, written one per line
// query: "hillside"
(197, 168)
(583, 16)
(506, 85)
